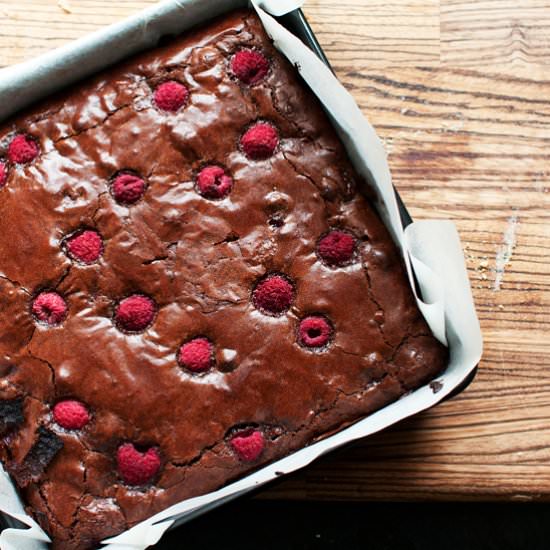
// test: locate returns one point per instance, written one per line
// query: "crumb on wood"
(65, 5)
(481, 265)
(388, 144)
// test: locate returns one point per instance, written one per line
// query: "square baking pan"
(296, 23)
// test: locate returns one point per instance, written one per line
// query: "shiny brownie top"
(192, 283)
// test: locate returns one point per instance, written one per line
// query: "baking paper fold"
(431, 249)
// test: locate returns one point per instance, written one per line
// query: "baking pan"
(297, 23)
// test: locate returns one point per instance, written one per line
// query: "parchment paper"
(430, 248)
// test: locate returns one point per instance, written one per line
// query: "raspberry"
(128, 188)
(49, 308)
(71, 415)
(260, 141)
(135, 313)
(135, 467)
(249, 66)
(248, 444)
(171, 96)
(273, 295)
(3, 173)
(196, 355)
(337, 248)
(214, 183)
(22, 149)
(86, 246)
(314, 331)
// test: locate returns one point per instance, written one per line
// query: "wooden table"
(460, 92)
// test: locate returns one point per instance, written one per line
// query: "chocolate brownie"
(193, 284)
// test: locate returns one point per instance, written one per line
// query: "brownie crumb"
(436, 386)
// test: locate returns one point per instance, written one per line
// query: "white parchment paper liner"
(431, 249)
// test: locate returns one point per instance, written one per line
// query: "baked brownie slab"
(192, 284)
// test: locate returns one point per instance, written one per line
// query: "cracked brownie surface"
(191, 284)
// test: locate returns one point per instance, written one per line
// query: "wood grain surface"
(459, 90)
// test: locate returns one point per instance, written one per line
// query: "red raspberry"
(3, 173)
(197, 355)
(135, 313)
(250, 66)
(128, 188)
(337, 248)
(171, 96)
(248, 444)
(214, 183)
(50, 308)
(260, 141)
(273, 295)
(314, 331)
(86, 246)
(22, 149)
(71, 415)
(135, 467)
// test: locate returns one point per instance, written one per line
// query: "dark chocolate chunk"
(11, 415)
(44, 450)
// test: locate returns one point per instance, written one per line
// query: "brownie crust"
(158, 423)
